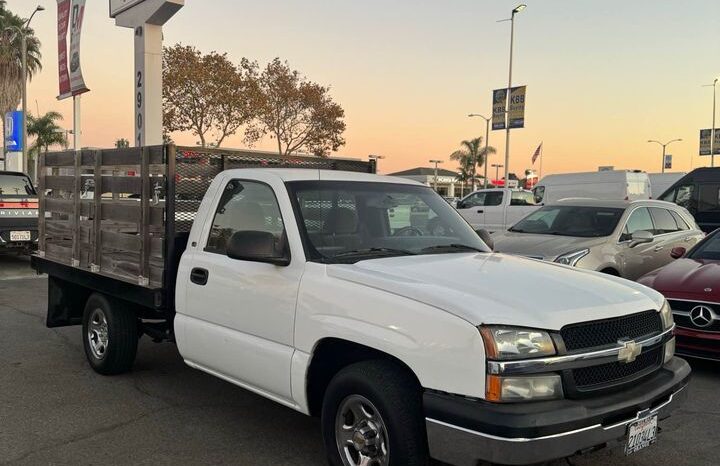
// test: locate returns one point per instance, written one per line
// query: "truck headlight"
(519, 389)
(667, 316)
(572, 258)
(508, 343)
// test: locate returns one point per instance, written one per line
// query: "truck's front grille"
(598, 377)
(606, 332)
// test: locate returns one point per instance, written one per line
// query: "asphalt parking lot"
(55, 410)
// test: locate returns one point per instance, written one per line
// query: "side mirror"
(641, 237)
(677, 252)
(486, 237)
(459, 205)
(257, 246)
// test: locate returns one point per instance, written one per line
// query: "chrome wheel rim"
(360, 433)
(97, 333)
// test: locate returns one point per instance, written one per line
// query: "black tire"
(397, 397)
(118, 354)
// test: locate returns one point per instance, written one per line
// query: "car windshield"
(577, 221)
(15, 186)
(345, 222)
(709, 249)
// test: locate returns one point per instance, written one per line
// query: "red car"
(692, 286)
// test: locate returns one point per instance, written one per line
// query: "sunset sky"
(603, 77)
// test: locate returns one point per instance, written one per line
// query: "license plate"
(20, 236)
(641, 434)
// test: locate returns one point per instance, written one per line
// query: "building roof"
(424, 171)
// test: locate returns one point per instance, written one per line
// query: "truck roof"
(304, 174)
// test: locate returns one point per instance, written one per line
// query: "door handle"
(658, 248)
(480, 211)
(199, 276)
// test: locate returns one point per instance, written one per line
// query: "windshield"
(582, 222)
(344, 222)
(15, 186)
(709, 249)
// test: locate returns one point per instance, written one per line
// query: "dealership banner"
(705, 141)
(499, 107)
(516, 109)
(13, 131)
(668, 162)
(70, 17)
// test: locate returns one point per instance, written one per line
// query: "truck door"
(472, 208)
(496, 204)
(240, 314)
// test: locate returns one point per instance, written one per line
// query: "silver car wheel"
(97, 333)
(360, 433)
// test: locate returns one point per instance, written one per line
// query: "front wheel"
(372, 416)
(110, 335)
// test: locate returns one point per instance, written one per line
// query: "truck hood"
(501, 289)
(542, 246)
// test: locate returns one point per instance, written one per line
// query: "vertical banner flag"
(516, 109)
(499, 107)
(705, 136)
(668, 161)
(63, 19)
(537, 153)
(13, 131)
(70, 17)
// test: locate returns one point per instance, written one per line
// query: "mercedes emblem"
(702, 316)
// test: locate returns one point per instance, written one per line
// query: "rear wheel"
(372, 416)
(110, 335)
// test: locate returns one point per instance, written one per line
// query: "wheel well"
(331, 355)
(610, 271)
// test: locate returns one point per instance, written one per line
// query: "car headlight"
(572, 258)
(508, 343)
(667, 316)
(522, 389)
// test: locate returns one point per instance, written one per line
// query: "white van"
(629, 185)
(661, 182)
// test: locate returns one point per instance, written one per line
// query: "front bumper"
(462, 431)
(697, 343)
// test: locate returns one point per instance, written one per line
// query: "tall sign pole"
(146, 18)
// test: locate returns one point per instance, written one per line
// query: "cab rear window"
(15, 186)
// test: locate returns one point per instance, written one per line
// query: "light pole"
(487, 137)
(436, 162)
(497, 169)
(515, 11)
(376, 158)
(22, 31)
(66, 132)
(664, 146)
(712, 130)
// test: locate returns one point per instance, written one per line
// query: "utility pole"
(664, 146)
(436, 162)
(487, 142)
(497, 171)
(515, 11)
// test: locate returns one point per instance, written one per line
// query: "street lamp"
(22, 31)
(664, 146)
(515, 11)
(712, 130)
(376, 158)
(497, 170)
(487, 137)
(436, 162)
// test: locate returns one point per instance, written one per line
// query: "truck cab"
(496, 209)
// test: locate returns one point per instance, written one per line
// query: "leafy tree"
(46, 132)
(299, 114)
(205, 94)
(122, 143)
(472, 155)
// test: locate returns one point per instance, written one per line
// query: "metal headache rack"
(126, 213)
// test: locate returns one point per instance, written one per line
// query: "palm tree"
(46, 132)
(472, 155)
(11, 58)
(122, 143)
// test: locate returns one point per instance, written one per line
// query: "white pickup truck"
(408, 344)
(496, 209)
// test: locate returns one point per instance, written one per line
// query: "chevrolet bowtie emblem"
(629, 351)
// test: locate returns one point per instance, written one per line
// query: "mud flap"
(65, 303)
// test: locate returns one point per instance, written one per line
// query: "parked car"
(621, 238)
(661, 182)
(699, 193)
(295, 284)
(627, 185)
(496, 209)
(692, 286)
(18, 212)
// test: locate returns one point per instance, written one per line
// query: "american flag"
(537, 153)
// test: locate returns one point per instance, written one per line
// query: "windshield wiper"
(373, 251)
(454, 246)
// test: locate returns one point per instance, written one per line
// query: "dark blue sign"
(13, 131)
